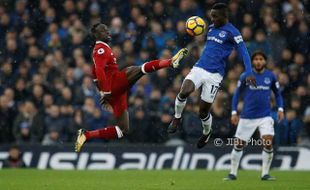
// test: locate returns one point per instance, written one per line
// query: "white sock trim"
(142, 69)
(235, 161)
(181, 99)
(207, 125)
(267, 158)
(178, 108)
(119, 132)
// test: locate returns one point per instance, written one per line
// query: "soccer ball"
(195, 26)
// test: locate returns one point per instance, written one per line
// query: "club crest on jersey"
(222, 34)
(100, 51)
(267, 80)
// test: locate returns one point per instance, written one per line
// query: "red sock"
(155, 65)
(105, 133)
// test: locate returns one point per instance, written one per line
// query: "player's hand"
(234, 119)
(251, 80)
(280, 116)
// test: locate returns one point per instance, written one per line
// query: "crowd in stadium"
(46, 87)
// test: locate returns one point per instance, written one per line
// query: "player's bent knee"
(238, 144)
(268, 145)
(187, 88)
(184, 93)
(238, 147)
(267, 142)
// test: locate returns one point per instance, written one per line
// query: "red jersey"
(104, 67)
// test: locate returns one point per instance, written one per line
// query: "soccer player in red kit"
(113, 84)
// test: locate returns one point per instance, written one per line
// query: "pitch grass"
(18, 179)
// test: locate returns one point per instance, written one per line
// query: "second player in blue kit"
(256, 113)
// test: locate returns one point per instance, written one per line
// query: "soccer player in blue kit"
(256, 113)
(209, 70)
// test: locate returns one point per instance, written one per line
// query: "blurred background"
(46, 89)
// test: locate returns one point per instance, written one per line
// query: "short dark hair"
(256, 53)
(218, 6)
(221, 7)
(93, 29)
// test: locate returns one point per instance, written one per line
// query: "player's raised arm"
(279, 100)
(243, 52)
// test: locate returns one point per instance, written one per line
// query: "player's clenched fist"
(234, 119)
(251, 80)
(280, 116)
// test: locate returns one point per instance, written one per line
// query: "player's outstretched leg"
(155, 65)
(267, 156)
(236, 155)
(111, 132)
(134, 73)
(206, 121)
(187, 88)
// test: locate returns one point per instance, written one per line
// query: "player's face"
(259, 63)
(104, 33)
(217, 18)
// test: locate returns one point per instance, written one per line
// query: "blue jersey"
(256, 101)
(219, 45)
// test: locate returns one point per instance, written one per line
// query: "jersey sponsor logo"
(267, 80)
(261, 87)
(212, 38)
(222, 34)
(100, 51)
(238, 39)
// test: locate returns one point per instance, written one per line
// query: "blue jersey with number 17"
(220, 43)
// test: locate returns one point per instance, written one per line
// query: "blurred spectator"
(117, 31)
(77, 122)
(288, 131)
(6, 120)
(276, 40)
(37, 95)
(20, 90)
(53, 123)
(28, 124)
(6, 79)
(52, 137)
(14, 159)
(260, 43)
(138, 124)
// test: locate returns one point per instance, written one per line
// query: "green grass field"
(147, 180)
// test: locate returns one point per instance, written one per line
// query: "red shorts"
(120, 86)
